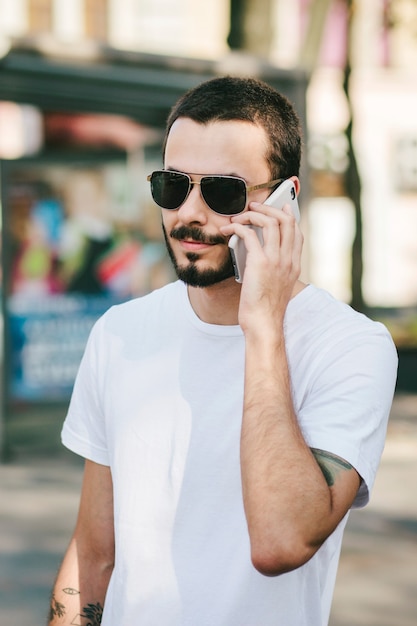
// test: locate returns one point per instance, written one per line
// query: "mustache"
(196, 234)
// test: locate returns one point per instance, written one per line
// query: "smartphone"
(284, 194)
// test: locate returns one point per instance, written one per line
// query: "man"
(227, 428)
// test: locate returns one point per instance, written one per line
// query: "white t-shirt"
(158, 398)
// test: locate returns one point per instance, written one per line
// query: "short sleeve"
(347, 408)
(84, 429)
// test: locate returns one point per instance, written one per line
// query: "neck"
(218, 304)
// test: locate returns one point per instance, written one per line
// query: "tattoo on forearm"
(91, 613)
(330, 464)
(56, 609)
(70, 591)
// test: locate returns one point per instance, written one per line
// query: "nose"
(194, 209)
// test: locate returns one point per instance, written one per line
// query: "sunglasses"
(226, 195)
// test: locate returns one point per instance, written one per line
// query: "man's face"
(197, 248)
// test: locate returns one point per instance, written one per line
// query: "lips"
(193, 245)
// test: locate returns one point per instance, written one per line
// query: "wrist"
(267, 333)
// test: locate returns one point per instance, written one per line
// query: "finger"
(266, 209)
(279, 226)
(253, 237)
(288, 228)
(270, 233)
(249, 218)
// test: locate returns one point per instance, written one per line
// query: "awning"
(88, 77)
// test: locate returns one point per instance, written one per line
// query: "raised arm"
(82, 580)
(293, 497)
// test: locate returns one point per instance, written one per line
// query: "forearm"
(79, 589)
(286, 497)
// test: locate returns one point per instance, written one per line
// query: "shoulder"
(316, 316)
(146, 307)
(133, 325)
(334, 350)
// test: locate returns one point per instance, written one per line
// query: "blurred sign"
(77, 239)
(48, 337)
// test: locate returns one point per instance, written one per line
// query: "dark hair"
(248, 99)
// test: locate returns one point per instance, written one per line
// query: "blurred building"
(384, 101)
(81, 124)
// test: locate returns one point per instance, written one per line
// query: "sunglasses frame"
(248, 188)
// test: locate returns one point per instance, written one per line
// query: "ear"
(296, 182)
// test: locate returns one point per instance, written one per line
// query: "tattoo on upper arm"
(330, 464)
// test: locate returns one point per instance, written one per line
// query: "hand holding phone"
(284, 194)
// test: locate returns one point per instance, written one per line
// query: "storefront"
(79, 229)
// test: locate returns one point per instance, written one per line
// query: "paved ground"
(377, 581)
(39, 486)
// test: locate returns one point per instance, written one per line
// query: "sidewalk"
(39, 499)
(377, 581)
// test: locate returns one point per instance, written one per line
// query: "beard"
(191, 274)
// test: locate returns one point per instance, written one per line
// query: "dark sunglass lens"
(169, 189)
(223, 194)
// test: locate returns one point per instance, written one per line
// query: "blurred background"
(85, 88)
